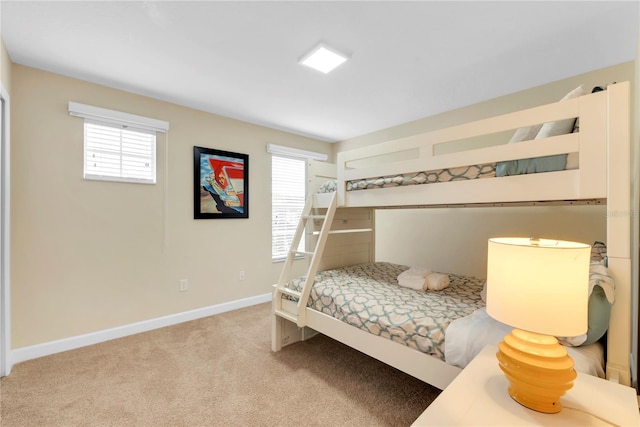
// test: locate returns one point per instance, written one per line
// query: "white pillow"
(561, 127)
(464, 338)
(525, 134)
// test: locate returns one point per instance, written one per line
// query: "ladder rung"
(351, 230)
(302, 253)
(314, 216)
(287, 315)
(289, 292)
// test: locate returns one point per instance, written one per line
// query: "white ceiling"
(239, 59)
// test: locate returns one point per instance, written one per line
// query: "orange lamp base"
(538, 368)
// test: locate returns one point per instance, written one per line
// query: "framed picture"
(221, 184)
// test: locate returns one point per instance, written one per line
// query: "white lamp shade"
(539, 286)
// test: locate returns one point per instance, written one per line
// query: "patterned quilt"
(368, 297)
(427, 177)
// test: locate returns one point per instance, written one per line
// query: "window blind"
(119, 153)
(288, 197)
(295, 153)
(104, 115)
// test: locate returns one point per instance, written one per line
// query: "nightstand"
(479, 397)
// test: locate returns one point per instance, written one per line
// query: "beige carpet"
(216, 371)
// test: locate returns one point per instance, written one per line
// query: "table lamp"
(539, 287)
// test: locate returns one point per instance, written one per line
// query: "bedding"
(464, 173)
(368, 297)
(467, 336)
(547, 163)
(601, 298)
(426, 177)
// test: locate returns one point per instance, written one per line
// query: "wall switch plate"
(184, 285)
(242, 275)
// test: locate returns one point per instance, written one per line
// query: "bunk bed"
(600, 154)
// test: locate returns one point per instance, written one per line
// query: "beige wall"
(454, 240)
(517, 101)
(90, 255)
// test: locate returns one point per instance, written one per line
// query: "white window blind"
(118, 146)
(288, 197)
(119, 153)
(295, 153)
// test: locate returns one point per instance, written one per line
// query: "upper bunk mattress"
(368, 297)
(464, 173)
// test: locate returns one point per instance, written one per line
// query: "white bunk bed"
(602, 176)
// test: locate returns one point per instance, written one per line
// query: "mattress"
(427, 177)
(368, 297)
(463, 173)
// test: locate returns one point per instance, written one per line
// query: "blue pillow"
(546, 163)
(538, 164)
(599, 312)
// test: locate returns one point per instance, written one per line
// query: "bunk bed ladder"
(309, 216)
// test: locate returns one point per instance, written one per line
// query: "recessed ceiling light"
(323, 58)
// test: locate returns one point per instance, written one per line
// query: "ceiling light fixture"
(323, 58)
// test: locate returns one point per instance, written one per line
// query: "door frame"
(5, 295)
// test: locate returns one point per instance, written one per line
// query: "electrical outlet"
(184, 285)
(242, 275)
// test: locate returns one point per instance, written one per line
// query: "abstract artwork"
(221, 184)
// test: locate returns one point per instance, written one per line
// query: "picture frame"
(220, 184)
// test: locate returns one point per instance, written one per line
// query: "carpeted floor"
(216, 371)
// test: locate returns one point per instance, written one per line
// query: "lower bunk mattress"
(368, 297)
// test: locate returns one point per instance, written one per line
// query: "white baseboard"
(45, 349)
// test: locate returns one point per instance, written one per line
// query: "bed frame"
(603, 176)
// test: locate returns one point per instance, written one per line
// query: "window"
(118, 146)
(119, 153)
(287, 202)
(288, 195)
